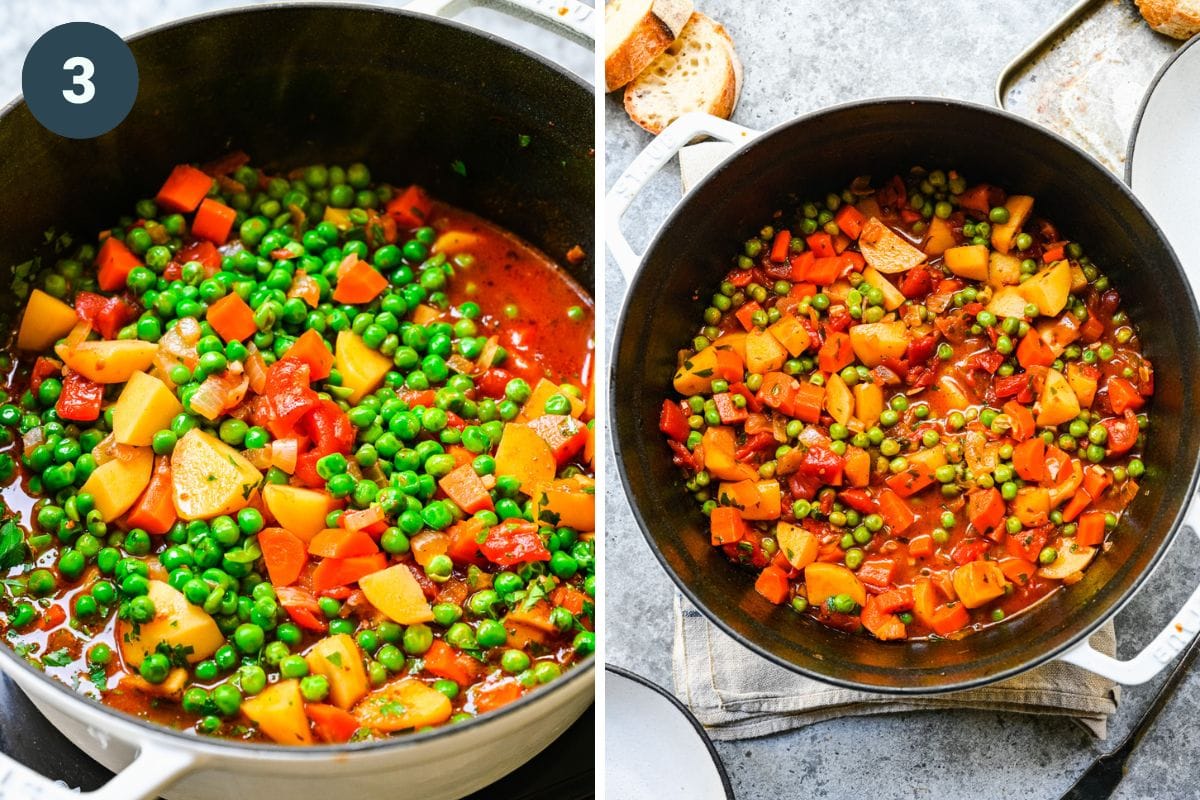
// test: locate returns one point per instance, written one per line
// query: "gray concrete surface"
(801, 56)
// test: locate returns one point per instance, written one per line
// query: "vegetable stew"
(299, 458)
(912, 409)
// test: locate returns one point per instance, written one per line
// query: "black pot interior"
(808, 158)
(406, 94)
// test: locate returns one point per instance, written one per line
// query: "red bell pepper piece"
(411, 208)
(288, 392)
(514, 543)
(80, 399)
(107, 314)
(672, 421)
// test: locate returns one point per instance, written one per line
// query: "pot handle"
(155, 767)
(568, 18)
(648, 162)
(1169, 643)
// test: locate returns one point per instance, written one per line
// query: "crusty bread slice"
(636, 32)
(1179, 19)
(699, 72)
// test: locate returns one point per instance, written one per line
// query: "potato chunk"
(301, 511)
(278, 711)
(875, 341)
(1057, 403)
(823, 580)
(397, 595)
(145, 407)
(109, 361)
(338, 658)
(47, 319)
(176, 624)
(1049, 288)
(525, 455)
(362, 368)
(886, 250)
(117, 484)
(210, 477)
(402, 705)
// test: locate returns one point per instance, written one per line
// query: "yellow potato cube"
(404, 704)
(47, 319)
(873, 342)
(1049, 288)
(278, 711)
(177, 624)
(525, 455)
(338, 658)
(893, 298)
(968, 261)
(764, 353)
(362, 368)
(1057, 403)
(300, 511)
(210, 477)
(145, 407)
(109, 361)
(397, 595)
(117, 484)
(569, 502)
(791, 334)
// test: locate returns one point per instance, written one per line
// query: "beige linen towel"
(738, 695)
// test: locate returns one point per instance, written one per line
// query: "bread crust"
(661, 25)
(1179, 19)
(724, 97)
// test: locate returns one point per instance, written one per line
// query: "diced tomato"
(917, 282)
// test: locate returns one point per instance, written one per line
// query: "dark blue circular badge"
(80, 80)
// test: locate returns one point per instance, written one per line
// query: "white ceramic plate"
(1163, 163)
(654, 748)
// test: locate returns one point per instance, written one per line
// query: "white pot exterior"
(448, 764)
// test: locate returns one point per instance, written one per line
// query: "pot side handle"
(155, 768)
(568, 18)
(1169, 643)
(647, 163)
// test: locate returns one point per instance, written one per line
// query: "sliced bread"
(1179, 19)
(699, 72)
(638, 31)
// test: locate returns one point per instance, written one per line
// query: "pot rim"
(676, 217)
(137, 729)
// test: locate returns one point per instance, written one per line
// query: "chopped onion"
(78, 334)
(259, 457)
(757, 423)
(255, 368)
(307, 289)
(284, 453)
(489, 353)
(357, 520)
(429, 544)
(219, 392)
(32, 438)
(460, 365)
